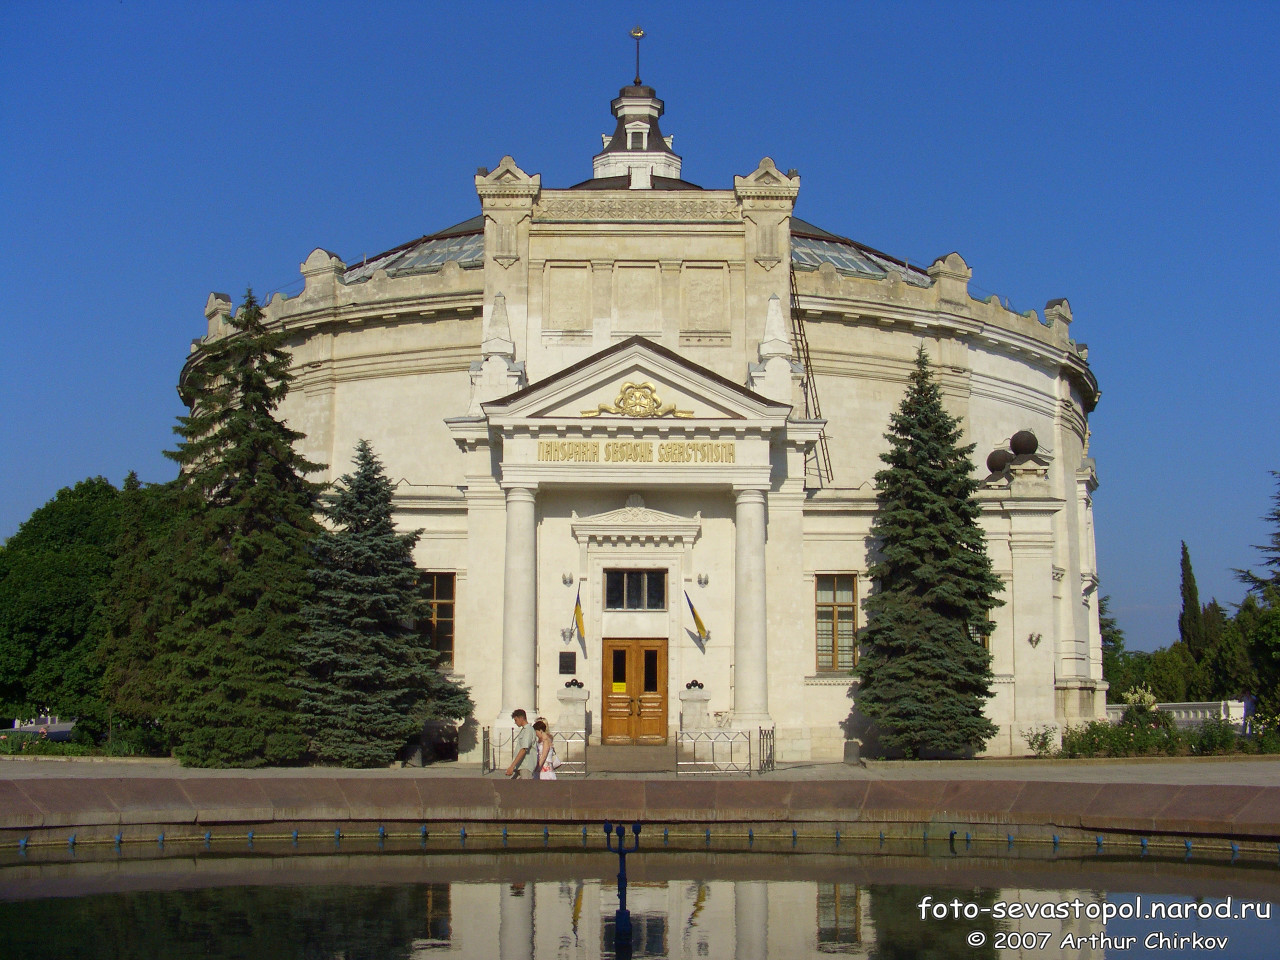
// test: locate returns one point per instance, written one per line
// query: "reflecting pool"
(404, 900)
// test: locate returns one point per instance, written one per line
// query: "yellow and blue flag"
(577, 615)
(703, 632)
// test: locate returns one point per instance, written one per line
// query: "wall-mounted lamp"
(1034, 639)
(703, 579)
(566, 579)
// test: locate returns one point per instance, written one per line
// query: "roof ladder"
(817, 463)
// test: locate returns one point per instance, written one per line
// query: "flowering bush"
(1140, 696)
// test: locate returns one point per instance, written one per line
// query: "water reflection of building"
(728, 920)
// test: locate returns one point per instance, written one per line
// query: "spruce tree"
(1270, 577)
(1116, 660)
(368, 681)
(241, 556)
(1191, 619)
(136, 605)
(926, 673)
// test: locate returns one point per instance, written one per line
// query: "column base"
(750, 721)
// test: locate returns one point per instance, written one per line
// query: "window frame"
(428, 625)
(833, 663)
(646, 573)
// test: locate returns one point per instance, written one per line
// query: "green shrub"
(1040, 739)
(1268, 741)
(32, 744)
(1213, 737)
(1090, 739)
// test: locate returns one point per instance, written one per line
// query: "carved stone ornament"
(639, 400)
(692, 210)
(636, 522)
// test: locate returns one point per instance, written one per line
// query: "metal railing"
(571, 748)
(709, 752)
(497, 751)
(766, 750)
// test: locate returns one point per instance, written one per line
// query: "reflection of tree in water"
(900, 934)
(254, 923)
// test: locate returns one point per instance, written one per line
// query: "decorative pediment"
(637, 380)
(766, 182)
(508, 180)
(636, 522)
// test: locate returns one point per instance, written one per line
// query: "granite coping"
(1244, 812)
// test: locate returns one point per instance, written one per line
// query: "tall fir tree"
(241, 556)
(1116, 660)
(926, 672)
(1191, 618)
(1270, 577)
(136, 605)
(368, 681)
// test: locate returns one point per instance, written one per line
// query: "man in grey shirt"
(526, 757)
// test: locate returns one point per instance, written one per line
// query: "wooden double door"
(635, 691)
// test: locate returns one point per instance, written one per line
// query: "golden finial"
(637, 33)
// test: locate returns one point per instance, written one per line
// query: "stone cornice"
(635, 522)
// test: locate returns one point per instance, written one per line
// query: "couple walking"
(534, 752)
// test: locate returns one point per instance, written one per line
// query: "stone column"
(750, 641)
(519, 607)
(750, 921)
(515, 922)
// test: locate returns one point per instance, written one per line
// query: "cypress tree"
(368, 681)
(1191, 619)
(241, 556)
(926, 673)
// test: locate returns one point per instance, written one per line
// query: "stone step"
(623, 758)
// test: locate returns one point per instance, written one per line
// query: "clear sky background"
(1122, 155)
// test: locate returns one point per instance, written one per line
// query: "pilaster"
(507, 196)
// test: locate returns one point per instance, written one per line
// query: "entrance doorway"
(635, 691)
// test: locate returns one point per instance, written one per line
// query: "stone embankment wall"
(51, 809)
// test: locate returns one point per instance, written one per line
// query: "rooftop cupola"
(636, 148)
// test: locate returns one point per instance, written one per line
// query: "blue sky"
(1121, 155)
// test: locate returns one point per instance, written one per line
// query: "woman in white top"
(546, 750)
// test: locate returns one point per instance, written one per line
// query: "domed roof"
(463, 242)
(811, 246)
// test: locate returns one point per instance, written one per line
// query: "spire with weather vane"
(636, 149)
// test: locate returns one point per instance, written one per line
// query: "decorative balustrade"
(1190, 715)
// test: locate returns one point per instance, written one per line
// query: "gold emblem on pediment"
(639, 400)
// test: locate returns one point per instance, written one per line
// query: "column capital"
(522, 494)
(750, 494)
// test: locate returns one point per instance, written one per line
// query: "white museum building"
(653, 398)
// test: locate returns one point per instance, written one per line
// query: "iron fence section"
(766, 750)
(710, 752)
(497, 751)
(571, 748)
